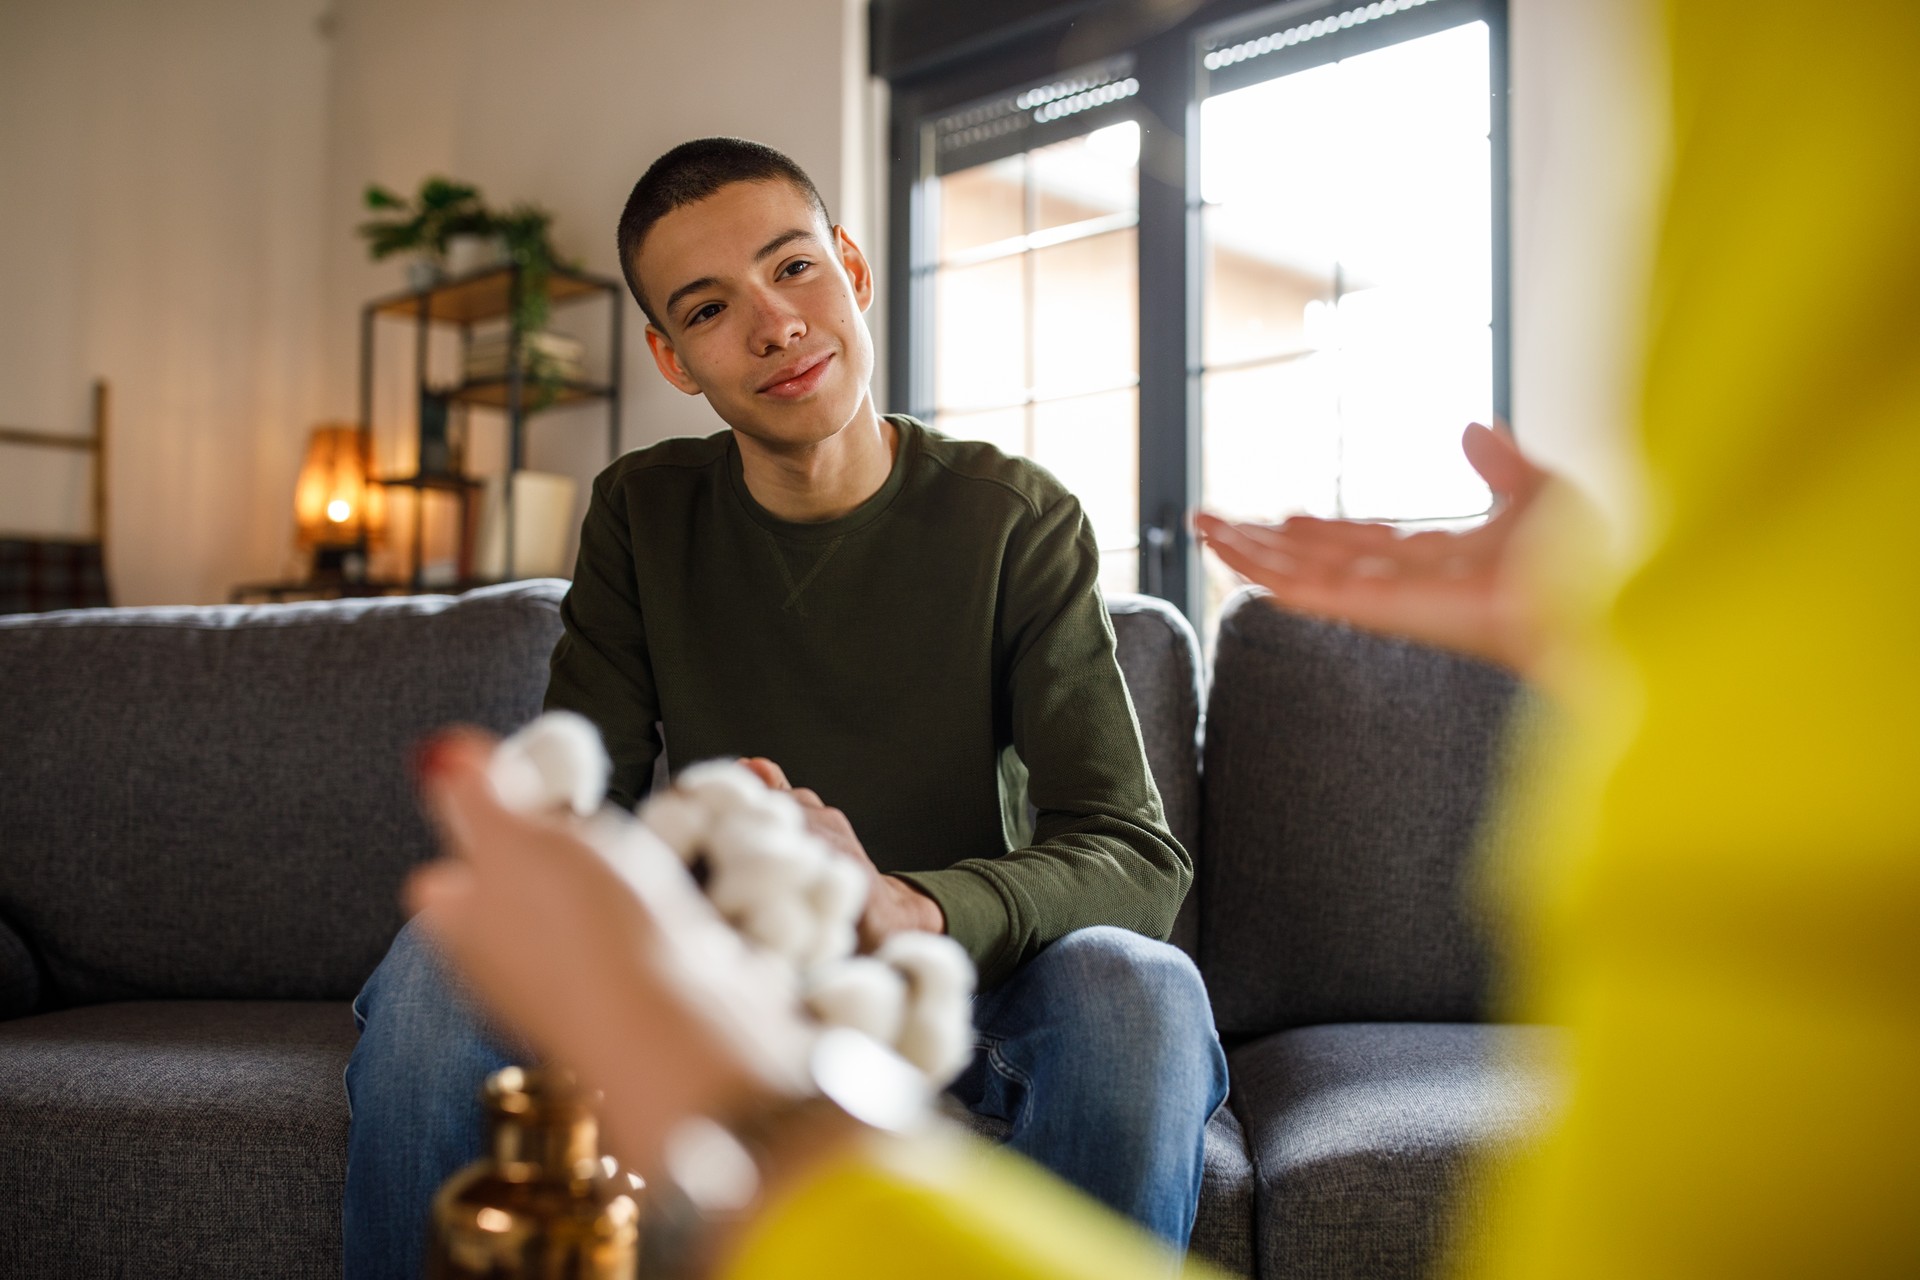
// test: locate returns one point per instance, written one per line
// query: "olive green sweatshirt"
(928, 663)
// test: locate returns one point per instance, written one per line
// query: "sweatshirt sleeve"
(600, 667)
(1101, 853)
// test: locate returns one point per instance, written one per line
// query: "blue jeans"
(1099, 1054)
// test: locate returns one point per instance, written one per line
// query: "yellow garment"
(1736, 941)
(946, 1209)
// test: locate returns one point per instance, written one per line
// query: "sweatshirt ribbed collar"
(852, 522)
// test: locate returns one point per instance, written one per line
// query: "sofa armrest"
(19, 975)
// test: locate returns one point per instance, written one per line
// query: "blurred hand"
(1460, 591)
(893, 905)
(558, 946)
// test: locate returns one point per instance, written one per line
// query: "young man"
(906, 629)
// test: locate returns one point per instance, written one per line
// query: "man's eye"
(795, 267)
(707, 312)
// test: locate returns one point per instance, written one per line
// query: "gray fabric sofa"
(207, 817)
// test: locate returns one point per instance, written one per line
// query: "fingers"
(1304, 545)
(808, 798)
(443, 897)
(832, 823)
(768, 772)
(832, 827)
(453, 781)
(1341, 548)
(1498, 460)
(1248, 542)
(438, 890)
(1301, 591)
(1277, 575)
(1209, 526)
(1358, 535)
(1249, 533)
(1320, 550)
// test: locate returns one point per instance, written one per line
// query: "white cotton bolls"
(753, 906)
(861, 993)
(723, 787)
(555, 762)
(836, 896)
(787, 891)
(678, 819)
(936, 1033)
(761, 867)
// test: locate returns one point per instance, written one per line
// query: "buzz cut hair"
(691, 172)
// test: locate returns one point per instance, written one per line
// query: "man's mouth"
(798, 378)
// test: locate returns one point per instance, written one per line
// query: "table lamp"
(337, 512)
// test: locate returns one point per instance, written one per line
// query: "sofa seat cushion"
(1361, 1133)
(174, 1138)
(1223, 1227)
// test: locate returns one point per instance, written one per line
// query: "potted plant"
(524, 229)
(443, 210)
(446, 211)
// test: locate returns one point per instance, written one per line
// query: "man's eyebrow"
(781, 241)
(767, 250)
(692, 286)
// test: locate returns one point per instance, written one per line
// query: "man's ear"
(859, 274)
(667, 360)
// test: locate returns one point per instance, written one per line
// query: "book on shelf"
(563, 354)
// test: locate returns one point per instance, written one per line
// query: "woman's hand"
(1461, 591)
(562, 949)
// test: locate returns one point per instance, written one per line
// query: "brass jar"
(544, 1205)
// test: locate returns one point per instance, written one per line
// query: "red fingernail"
(429, 757)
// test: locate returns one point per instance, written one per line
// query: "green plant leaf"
(390, 237)
(444, 193)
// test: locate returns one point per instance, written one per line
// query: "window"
(1258, 264)
(1034, 283)
(1346, 236)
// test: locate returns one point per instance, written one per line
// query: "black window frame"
(1168, 64)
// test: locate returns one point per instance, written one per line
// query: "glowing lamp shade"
(332, 502)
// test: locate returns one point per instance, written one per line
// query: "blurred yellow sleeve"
(945, 1208)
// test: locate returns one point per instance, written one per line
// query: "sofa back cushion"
(1160, 658)
(215, 802)
(1345, 779)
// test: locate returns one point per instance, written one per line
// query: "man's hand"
(1456, 590)
(893, 905)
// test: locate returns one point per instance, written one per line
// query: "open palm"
(1456, 590)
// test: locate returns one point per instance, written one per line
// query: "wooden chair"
(38, 574)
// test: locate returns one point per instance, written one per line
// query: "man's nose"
(776, 324)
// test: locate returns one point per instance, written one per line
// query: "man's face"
(759, 304)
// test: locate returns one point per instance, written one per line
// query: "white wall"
(1588, 167)
(161, 226)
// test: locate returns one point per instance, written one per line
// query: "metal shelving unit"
(478, 298)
